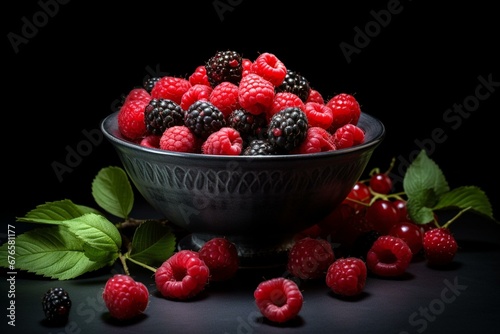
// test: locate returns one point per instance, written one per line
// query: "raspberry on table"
(179, 139)
(255, 94)
(221, 257)
(170, 88)
(278, 299)
(268, 66)
(195, 93)
(318, 114)
(203, 118)
(56, 305)
(346, 110)
(389, 256)
(317, 140)
(348, 135)
(131, 121)
(347, 276)
(125, 297)
(224, 97)
(309, 258)
(287, 128)
(226, 141)
(182, 276)
(440, 246)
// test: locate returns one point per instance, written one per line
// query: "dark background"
(82, 58)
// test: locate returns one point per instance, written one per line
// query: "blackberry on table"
(296, 84)
(161, 114)
(203, 118)
(287, 128)
(56, 305)
(224, 66)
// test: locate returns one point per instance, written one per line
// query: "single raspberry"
(225, 97)
(149, 83)
(226, 141)
(161, 114)
(182, 276)
(170, 88)
(199, 76)
(315, 96)
(221, 257)
(247, 124)
(309, 258)
(288, 128)
(224, 66)
(203, 118)
(268, 66)
(347, 136)
(317, 140)
(246, 64)
(284, 100)
(439, 246)
(255, 94)
(179, 139)
(278, 299)
(346, 110)
(137, 94)
(318, 114)
(125, 297)
(131, 119)
(150, 141)
(347, 276)
(295, 83)
(261, 147)
(388, 256)
(195, 93)
(56, 305)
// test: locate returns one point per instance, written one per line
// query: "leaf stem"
(456, 216)
(141, 264)
(124, 264)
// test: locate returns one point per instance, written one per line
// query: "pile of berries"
(231, 105)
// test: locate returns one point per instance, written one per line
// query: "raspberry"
(295, 83)
(318, 114)
(226, 141)
(255, 94)
(224, 66)
(138, 94)
(348, 135)
(346, 110)
(283, 100)
(268, 66)
(161, 114)
(317, 140)
(195, 93)
(171, 88)
(131, 119)
(199, 76)
(439, 246)
(388, 256)
(125, 297)
(315, 96)
(179, 139)
(347, 276)
(225, 97)
(221, 257)
(246, 65)
(310, 258)
(288, 128)
(182, 276)
(150, 141)
(278, 299)
(56, 305)
(203, 118)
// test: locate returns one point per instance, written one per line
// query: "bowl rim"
(109, 127)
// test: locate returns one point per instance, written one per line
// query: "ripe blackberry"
(224, 66)
(161, 114)
(288, 128)
(295, 83)
(56, 305)
(260, 147)
(203, 119)
(246, 123)
(149, 83)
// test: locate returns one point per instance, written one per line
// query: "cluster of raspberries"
(233, 106)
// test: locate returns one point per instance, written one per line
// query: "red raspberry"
(131, 119)
(150, 141)
(226, 141)
(255, 94)
(171, 88)
(310, 258)
(348, 135)
(179, 138)
(124, 297)
(268, 66)
(317, 140)
(388, 256)
(284, 100)
(439, 246)
(199, 76)
(315, 96)
(319, 114)
(195, 93)
(221, 257)
(138, 94)
(347, 276)
(346, 110)
(182, 276)
(278, 299)
(225, 97)
(246, 64)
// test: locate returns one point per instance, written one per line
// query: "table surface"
(463, 298)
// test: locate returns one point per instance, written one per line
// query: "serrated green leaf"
(113, 192)
(419, 206)
(99, 255)
(96, 231)
(51, 251)
(466, 197)
(54, 212)
(152, 243)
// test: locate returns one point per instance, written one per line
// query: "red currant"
(381, 183)
(382, 215)
(410, 233)
(360, 192)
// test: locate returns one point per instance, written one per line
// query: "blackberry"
(149, 83)
(363, 243)
(260, 147)
(203, 118)
(296, 84)
(287, 128)
(247, 124)
(56, 305)
(224, 66)
(161, 114)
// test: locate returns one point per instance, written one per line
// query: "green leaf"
(52, 252)
(112, 191)
(54, 212)
(466, 197)
(152, 243)
(96, 231)
(418, 207)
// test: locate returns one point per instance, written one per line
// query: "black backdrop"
(410, 63)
